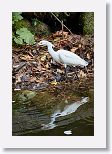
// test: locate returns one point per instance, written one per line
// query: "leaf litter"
(33, 68)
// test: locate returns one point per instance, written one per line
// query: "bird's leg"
(53, 62)
(86, 69)
(66, 70)
(76, 73)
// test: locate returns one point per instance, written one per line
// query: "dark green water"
(55, 113)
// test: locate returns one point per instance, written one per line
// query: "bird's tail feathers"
(86, 63)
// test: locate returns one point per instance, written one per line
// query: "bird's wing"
(69, 58)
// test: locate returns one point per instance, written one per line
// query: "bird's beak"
(39, 43)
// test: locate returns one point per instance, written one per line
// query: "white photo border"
(99, 138)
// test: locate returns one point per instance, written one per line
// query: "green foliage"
(20, 34)
(87, 19)
(24, 23)
(16, 16)
(24, 36)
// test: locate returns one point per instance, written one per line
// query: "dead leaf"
(53, 82)
(59, 34)
(47, 65)
(57, 39)
(43, 58)
(26, 57)
(88, 56)
(74, 49)
(82, 74)
(43, 69)
(33, 79)
(40, 80)
(60, 71)
(80, 45)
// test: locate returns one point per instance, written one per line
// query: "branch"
(62, 29)
(61, 23)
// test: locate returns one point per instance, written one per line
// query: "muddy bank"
(33, 68)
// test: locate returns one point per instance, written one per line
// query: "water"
(52, 114)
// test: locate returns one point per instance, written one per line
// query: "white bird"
(62, 56)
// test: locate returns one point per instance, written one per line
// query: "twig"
(19, 67)
(61, 23)
(62, 29)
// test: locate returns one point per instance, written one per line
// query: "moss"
(87, 19)
(22, 24)
(23, 95)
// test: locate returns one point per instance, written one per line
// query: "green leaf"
(26, 35)
(18, 40)
(16, 16)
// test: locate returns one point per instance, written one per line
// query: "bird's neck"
(51, 51)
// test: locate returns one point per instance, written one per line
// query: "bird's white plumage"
(69, 58)
(63, 56)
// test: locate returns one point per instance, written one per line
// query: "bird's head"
(45, 43)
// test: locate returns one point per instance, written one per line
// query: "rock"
(24, 96)
(41, 28)
(68, 132)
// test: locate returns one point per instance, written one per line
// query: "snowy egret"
(62, 56)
